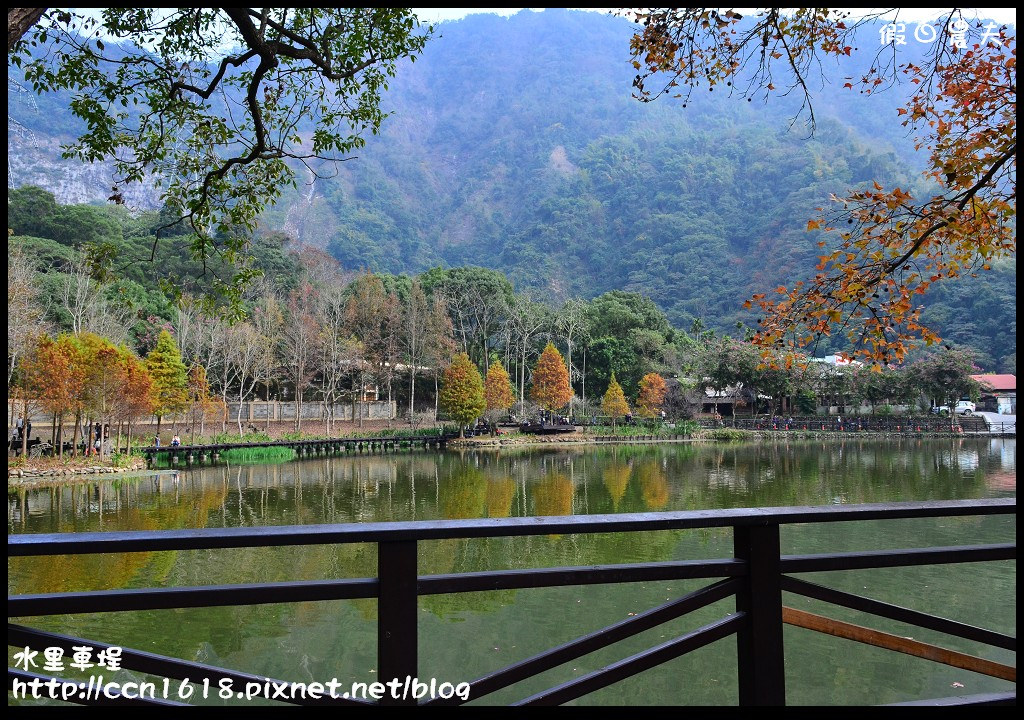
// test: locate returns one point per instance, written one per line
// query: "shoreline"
(715, 435)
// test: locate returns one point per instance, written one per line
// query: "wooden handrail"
(888, 641)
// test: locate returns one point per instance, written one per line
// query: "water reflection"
(337, 639)
(509, 484)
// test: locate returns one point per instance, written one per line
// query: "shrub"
(231, 438)
(258, 455)
(123, 460)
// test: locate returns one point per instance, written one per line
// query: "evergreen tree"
(462, 391)
(551, 389)
(170, 378)
(614, 401)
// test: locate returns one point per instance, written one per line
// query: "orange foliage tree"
(551, 389)
(883, 248)
(102, 391)
(137, 397)
(652, 395)
(498, 392)
(54, 374)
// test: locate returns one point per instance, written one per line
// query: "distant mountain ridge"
(515, 144)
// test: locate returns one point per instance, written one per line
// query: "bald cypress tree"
(551, 389)
(462, 391)
(498, 392)
(170, 378)
(614, 401)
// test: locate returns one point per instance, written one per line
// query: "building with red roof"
(999, 393)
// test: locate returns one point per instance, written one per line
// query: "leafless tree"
(340, 353)
(268, 318)
(571, 323)
(526, 319)
(85, 301)
(248, 356)
(300, 337)
(25, 316)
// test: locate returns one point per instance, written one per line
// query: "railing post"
(397, 646)
(759, 651)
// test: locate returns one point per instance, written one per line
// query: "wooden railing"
(320, 446)
(756, 576)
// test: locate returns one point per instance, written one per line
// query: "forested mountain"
(515, 145)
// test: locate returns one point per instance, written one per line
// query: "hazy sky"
(1003, 15)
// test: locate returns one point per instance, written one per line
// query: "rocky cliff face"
(35, 159)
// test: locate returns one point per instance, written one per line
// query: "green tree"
(629, 335)
(878, 386)
(946, 377)
(614, 401)
(170, 378)
(478, 300)
(462, 391)
(298, 84)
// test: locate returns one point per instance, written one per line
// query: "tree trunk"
(584, 378)
(60, 437)
(19, 21)
(24, 434)
(238, 415)
(362, 384)
(412, 397)
(224, 414)
(74, 439)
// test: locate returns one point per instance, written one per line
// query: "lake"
(467, 635)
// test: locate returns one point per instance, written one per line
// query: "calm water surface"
(464, 636)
